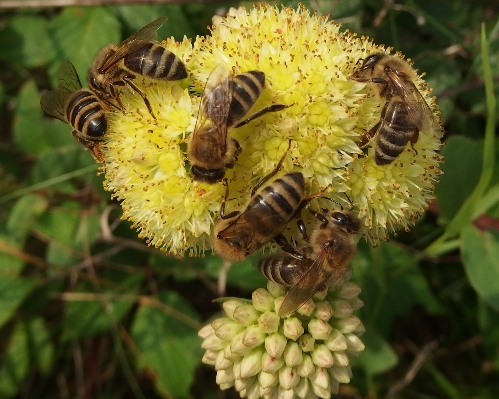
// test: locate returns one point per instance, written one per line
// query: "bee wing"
(420, 113)
(310, 282)
(53, 102)
(215, 104)
(138, 40)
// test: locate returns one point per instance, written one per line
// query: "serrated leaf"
(462, 169)
(26, 40)
(80, 33)
(480, 252)
(169, 344)
(378, 356)
(23, 215)
(13, 291)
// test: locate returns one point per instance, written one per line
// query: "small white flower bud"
(237, 369)
(292, 355)
(341, 374)
(293, 328)
(323, 310)
(230, 305)
(319, 329)
(271, 364)
(253, 336)
(236, 345)
(225, 376)
(307, 308)
(278, 302)
(213, 343)
(221, 362)
(321, 392)
(269, 322)
(322, 357)
(349, 290)
(205, 331)
(209, 358)
(246, 315)
(288, 377)
(217, 323)
(268, 380)
(251, 363)
(354, 343)
(229, 330)
(334, 386)
(225, 386)
(228, 354)
(306, 342)
(356, 303)
(276, 290)
(253, 391)
(243, 383)
(306, 367)
(285, 393)
(360, 330)
(341, 308)
(262, 300)
(302, 388)
(346, 325)
(336, 341)
(320, 377)
(341, 359)
(320, 295)
(275, 345)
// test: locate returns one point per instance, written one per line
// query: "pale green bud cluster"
(304, 355)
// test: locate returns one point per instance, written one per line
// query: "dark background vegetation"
(92, 313)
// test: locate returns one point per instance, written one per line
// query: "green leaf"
(13, 291)
(23, 215)
(27, 121)
(39, 344)
(26, 40)
(461, 169)
(169, 344)
(10, 262)
(79, 33)
(480, 252)
(15, 364)
(392, 284)
(378, 356)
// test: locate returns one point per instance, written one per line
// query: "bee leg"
(128, 80)
(367, 136)
(263, 111)
(303, 229)
(287, 247)
(91, 146)
(414, 140)
(222, 205)
(320, 217)
(271, 174)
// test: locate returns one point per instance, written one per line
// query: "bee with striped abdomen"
(78, 107)
(405, 112)
(225, 100)
(116, 66)
(241, 233)
(332, 246)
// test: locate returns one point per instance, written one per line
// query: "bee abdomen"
(85, 113)
(285, 194)
(154, 61)
(246, 88)
(283, 270)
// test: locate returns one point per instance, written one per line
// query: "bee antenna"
(349, 201)
(332, 200)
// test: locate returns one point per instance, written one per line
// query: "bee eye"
(340, 218)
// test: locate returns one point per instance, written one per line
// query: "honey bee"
(225, 100)
(405, 112)
(332, 246)
(116, 66)
(78, 107)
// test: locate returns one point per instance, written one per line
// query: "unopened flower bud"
(251, 363)
(360, 330)
(324, 311)
(228, 330)
(221, 362)
(246, 315)
(213, 343)
(320, 295)
(237, 346)
(307, 308)
(288, 377)
(322, 357)
(301, 389)
(354, 343)
(321, 392)
(268, 380)
(306, 342)
(320, 377)
(262, 300)
(306, 368)
(275, 345)
(253, 336)
(276, 290)
(341, 374)
(346, 325)
(268, 322)
(244, 383)
(341, 308)
(319, 329)
(209, 358)
(293, 328)
(271, 364)
(356, 303)
(225, 376)
(349, 290)
(336, 341)
(293, 355)
(230, 305)
(340, 359)
(205, 331)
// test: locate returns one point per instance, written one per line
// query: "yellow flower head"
(308, 65)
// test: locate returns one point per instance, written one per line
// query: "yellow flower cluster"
(308, 64)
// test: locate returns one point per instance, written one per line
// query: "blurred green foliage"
(87, 312)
